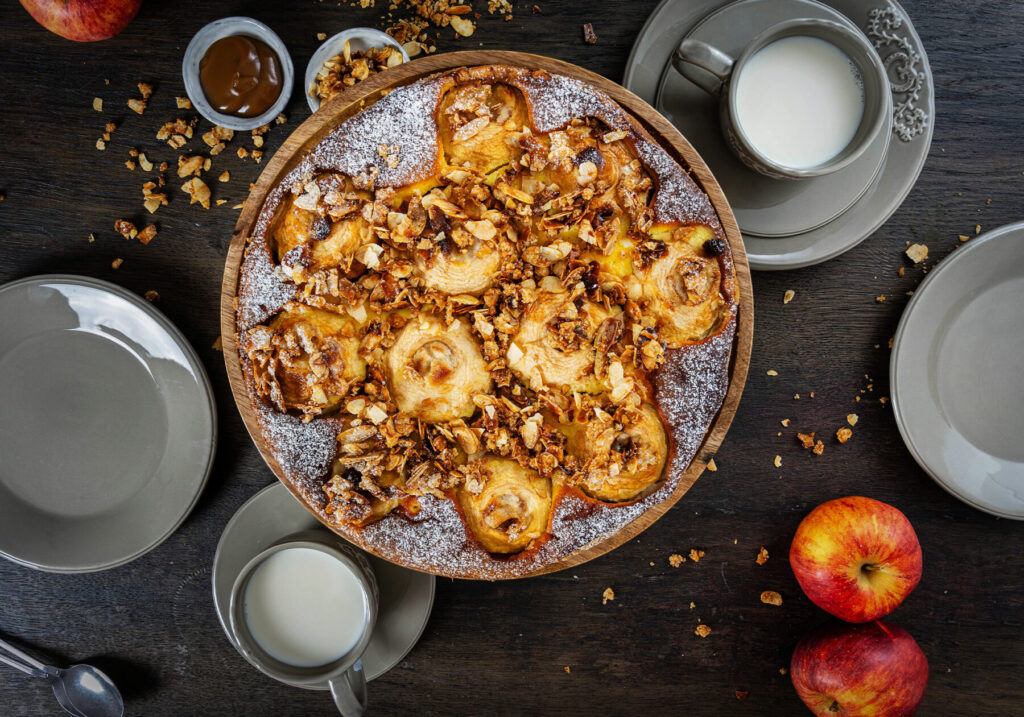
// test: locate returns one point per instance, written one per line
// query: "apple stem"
(834, 707)
(870, 567)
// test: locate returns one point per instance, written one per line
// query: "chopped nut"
(147, 234)
(462, 26)
(144, 162)
(130, 165)
(880, 299)
(806, 439)
(567, 669)
(145, 90)
(762, 556)
(712, 466)
(818, 449)
(843, 434)
(125, 229)
(851, 418)
(675, 560)
(198, 191)
(741, 695)
(785, 422)
(702, 631)
(224, 177)
(589, 36)
(97, 104)
(778, 461)
(100, 144)
(772, 372)
(696, 555)
(152, 296)
(218, 344)
(137, 106)
(92, 238)
(184, 103)
(770, 597)
(917, 253)
(188, 166)
(321, 36)
(788, 296)
(607, 595)
(116, 263)
(242, 153)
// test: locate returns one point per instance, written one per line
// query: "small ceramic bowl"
(226, 27)
(360, 39)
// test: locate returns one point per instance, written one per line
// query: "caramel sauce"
(241, 76)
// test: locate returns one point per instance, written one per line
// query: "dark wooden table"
(504, 648)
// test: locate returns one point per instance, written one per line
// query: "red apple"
(860, 671)
(856, 557)
(83, 20)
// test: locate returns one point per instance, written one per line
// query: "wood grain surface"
(501, 649)
(650, 122)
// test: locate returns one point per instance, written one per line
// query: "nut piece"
(97, 104)
(589, 36)
(147, 234)
(675, 560)
(762, 556)
(152, 296)
(137, 106)
(712, 466)
(843, 434)
(116, 263)
(184, 103)
(696, 555)
(462, 26)
(702, 631)
(788, 296)
(198, 191)
(851, 418)
(125, 229)
(917, 253)
(607, 595)
(770, 597)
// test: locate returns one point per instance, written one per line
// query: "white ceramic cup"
(345, 675)
(716, 72)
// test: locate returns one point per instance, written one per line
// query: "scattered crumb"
(92, 238)
(796, 396)
(900, 271)
(785, 422)
(783, 671)
(145, 163)
(568, 670)
(100, 144)
(788, 296)
(607, 595)
(125, 229)
(218, 344)
(702, 631)
(883, 400)
(977, 229)
(963, 237)
(851, 418)
(806, 439)
(772, 372)
(184, 103)
(770, 597)
(843, 434)
(880, 298)
(762, 556)
(97, 104)
(116, 263)
(778, 461)
(321, 36)
(536, 10)
(741, 695)
(137, 106)
(589, 36)
(692, 604)
(818, 449)
(152, 296)
(147, 234)
(712, 466)
(696, 555)
(917, 253)
(224, 177)
(675, 560)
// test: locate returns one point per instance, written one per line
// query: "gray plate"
(763, 206)
(893, 34)
(107, 425)
(956, 379)
(406, 596)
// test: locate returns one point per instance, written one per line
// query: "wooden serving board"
(353, 100)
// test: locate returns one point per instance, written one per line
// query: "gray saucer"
(763, 206)
(107, 425)
(889, 28)
(406, 596)
(955, 373)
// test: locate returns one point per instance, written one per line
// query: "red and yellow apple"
(857, 558)
(869, 670)
(83, 20)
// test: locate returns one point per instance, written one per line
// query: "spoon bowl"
(86, 691)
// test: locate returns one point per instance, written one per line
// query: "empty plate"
(107, 424)
(957, 383)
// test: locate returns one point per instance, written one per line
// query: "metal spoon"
(82, 690)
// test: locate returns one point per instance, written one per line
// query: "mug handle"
(693, 53)
(349, 691)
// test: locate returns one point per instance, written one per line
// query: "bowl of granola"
(347, 58)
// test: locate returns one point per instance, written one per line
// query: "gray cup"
(345, 675)
(716, 72)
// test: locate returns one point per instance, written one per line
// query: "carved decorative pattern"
(903, 65)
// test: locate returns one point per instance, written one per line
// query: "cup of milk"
(805, 98)
(303, 611)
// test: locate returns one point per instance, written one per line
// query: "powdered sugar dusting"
(395, 143)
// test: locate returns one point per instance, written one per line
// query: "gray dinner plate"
(956, 373)
(406, 596)
(890, 29)
(107, 424)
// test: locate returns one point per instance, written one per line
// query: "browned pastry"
(486, 322)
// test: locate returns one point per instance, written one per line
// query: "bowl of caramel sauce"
(238, 73)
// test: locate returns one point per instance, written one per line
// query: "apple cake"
(485, 322)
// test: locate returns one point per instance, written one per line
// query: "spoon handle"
(22, 666)
(25, 657)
